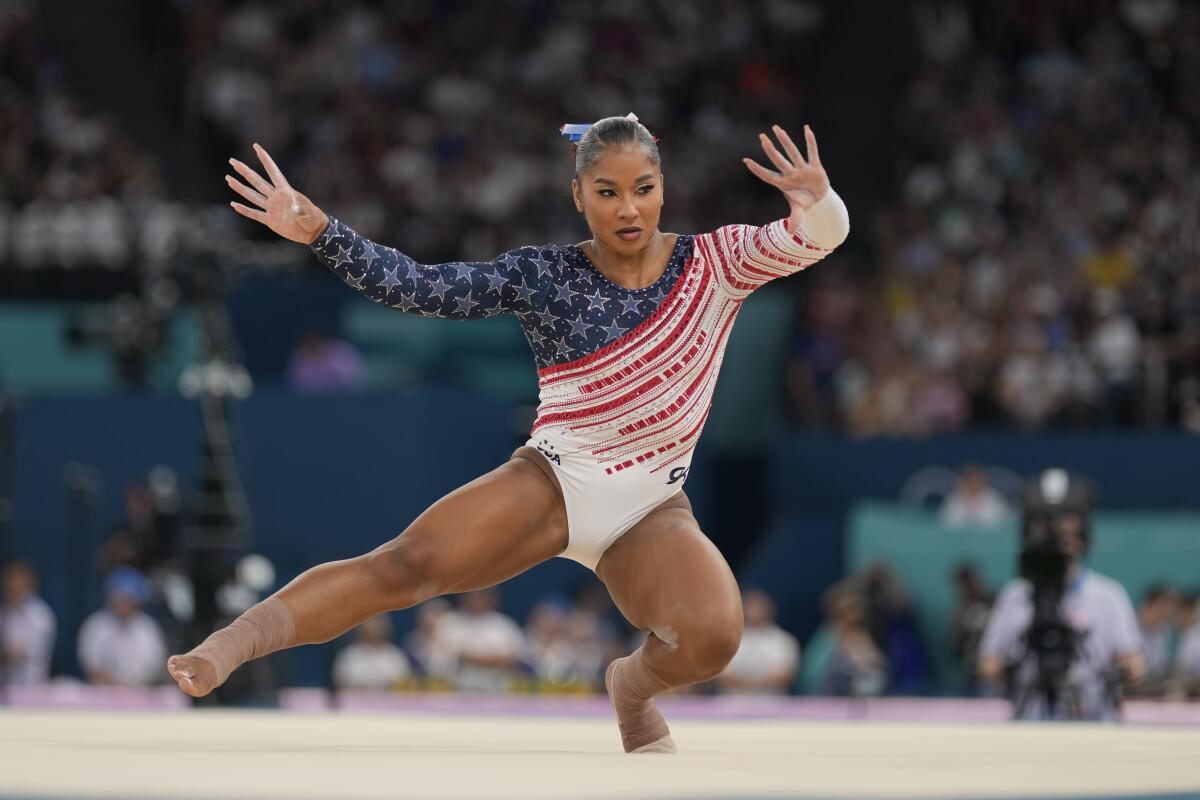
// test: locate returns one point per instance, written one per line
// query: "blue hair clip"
(574, 132)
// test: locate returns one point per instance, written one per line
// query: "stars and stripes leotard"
(626, 376)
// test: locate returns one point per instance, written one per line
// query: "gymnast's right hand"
(280, 207)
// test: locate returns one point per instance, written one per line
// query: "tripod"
(1054, 646)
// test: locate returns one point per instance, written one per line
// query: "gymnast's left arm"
(816, 225)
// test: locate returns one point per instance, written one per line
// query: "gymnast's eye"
(647, 189)
(608, 193)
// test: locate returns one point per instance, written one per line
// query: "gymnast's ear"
(577, 195)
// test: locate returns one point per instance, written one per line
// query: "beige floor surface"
(218, 754)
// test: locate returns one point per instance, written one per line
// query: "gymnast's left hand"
(280, 207)
(802, 181)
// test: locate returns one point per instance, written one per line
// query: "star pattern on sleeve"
(389, 279)
(564, 293)
(525, 293)
(438, 288)
(542, 264)
(407, 303)
(541, 285)
(495, 281)
(369, 255)
(465, 304)
(461, 271)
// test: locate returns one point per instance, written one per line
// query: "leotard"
(625, 376)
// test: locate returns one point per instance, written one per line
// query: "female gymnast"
(628, 331)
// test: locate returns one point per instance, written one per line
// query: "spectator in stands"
(974, 501)
(566, 647)
(1114, 347)
(1155, 615)
(591, 650)
(856, 668)
(1022, 202)
(323, 364)
(969, 621)
(890, 622)
(818, 350)
(121, 644)
(27, 628)
(592, 600)
(372, 661)
(768, 658)
(489, 645)
(77, 188)
(1185, 680)
(1034, 381)
(145, 539)
(549, 644)
(429, 644)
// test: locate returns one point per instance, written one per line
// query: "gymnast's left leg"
(667, 578)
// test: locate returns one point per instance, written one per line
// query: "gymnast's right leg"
(481, 534)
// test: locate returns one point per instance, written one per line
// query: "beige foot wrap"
(632, 687)
(262, 630)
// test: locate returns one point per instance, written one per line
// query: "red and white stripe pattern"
(643, 399)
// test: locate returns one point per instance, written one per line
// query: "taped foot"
(194, 675)
(263, 629)
(643, 728)
(663, 745)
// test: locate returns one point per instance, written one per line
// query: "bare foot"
(643, 728)
(194, 675)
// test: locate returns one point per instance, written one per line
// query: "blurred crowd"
(1040, 263)
(1038, 267)
(467, 645)
(158, 598)
(868, 645)
(75, 191)
(437, 130)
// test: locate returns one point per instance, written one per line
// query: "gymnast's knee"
(405, 572)
(710, 646)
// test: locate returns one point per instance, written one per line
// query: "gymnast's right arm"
(457, 290)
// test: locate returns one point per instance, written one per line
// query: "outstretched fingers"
(272, 171)
(770, 176)
(814, 156)
(252, 213)
(789, 146)
(246, 192)
(253, 178)
(773, 153)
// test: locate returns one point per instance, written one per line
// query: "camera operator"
(1062, 637)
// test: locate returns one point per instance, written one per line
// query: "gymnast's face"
(621, 197)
